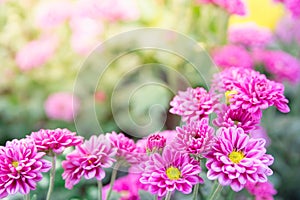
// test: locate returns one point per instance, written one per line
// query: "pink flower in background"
(232, 6)
(171, 171)
(155, 143)
(287, 30)
(261, 191)
(88, 160)
(227, 117)
(50, 14)
(260, 132)
(236, 159)
(249, 35)
(36, 53)
(192, 104)
(196, 137)
(232, 56)
(55, 140)
(293, 7)
(61, 106)
(21, 167)
(281, 65)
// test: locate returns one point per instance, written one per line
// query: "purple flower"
(171, 171)
(88, 160)
(192, 104)
(21, 167)
(232, 56)
(195, 138)
(261, 191)
(55, 140)
(236, 159)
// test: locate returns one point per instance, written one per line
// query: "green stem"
(112, 179)
(155, 197)
(195, 193)
(52, 177)
(27, 196)
(99, 190)
(215, 193)
(168, 197)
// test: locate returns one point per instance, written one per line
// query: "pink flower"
(260, 132)
(171, 171)
(232, 56)
(36, 53)
(88, 160)
(21, 167)
(249, 35)
(126, 148)
(293, 7)
(261, 191)
(236, 159)
(281, 65)
(287, 30)
(226, 117)
(55, 140)
(232, 6)
(195, 138)
(155, 143)
(61, 106)
(192, 104)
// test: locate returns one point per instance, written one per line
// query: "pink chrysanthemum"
(55, 140)
(249, 35)
(232, 56)
(236, 159)
(61, 106)
(261, 191)
(231, 6)
(260, 132)
(293, 7)
(287, 30)
(171, 171)
(195, 138)
(21, 167)
(155, 143)
(127, 150)
(227, 117)
(88, 160)
(192, 104)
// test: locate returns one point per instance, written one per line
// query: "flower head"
(231, 6)
(192, 104)
(88, 160)
(261, 191)
(155, 143)
(21, 167)
(55, 140)
(236, 159)
(171, 171)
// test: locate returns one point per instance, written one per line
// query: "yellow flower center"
(228, 95)
(15, 164)
(173, 173)
(236, 156)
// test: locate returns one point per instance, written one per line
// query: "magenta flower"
(231, 6)
(126, 148)
(55, 140)
(232, 56)
(21, 167)
(88, 160)
(261, 191)
(171, 171)
(61, 106)
(287, 30)
(260, 132)
(293, 7)
(195, 138)
(155, 143)
(249, 35)
(192, 104)
(227, 117)
(236, 159)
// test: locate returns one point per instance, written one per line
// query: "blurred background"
(44, 45)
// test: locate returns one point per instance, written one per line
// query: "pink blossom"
(236, 159)
(61, 106)
(249, 35)
(21, 167)
(196, 137)
(287, 30)
(232, 56)
(293, 7)
(155, 143)
(36, 53)
(231, 6)
(260, 132)
(88, 160)
(55, 140)
(261, 191)
(226, 117)
(192, 104)
(171, 171)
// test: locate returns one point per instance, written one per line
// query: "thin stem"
(195, 193)
(27, 196)
(215, 193)
(168, 197)
(112, 179)
(52, 177)
(99, 190)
